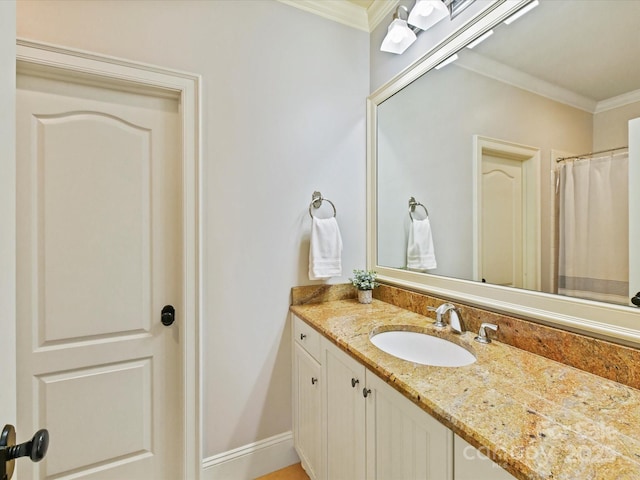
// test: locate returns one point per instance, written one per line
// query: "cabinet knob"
(354, 382)
(314, 380)
(365, 392)
(302, 336)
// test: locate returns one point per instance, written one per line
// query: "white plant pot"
(365, 296)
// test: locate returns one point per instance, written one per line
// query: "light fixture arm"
(397, 15)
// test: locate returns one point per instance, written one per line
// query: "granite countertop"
(537, 418)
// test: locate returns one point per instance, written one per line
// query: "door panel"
(404, 442)
(98, 189)
(344, 414)
(308, 418)
(122, 389)
(99, 249)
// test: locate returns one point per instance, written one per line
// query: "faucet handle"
(482, 333)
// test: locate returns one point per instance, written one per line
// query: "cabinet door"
(471, 464)
(344, 415)
(403, 441)
(307, 410)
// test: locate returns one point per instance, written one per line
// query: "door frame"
(114, 72)
(7, 213)
(530, 158)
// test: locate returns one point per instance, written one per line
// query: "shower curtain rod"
(562, 159)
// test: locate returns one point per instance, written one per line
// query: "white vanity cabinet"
(350, 425)
(373, 432)
(307, 398)
(471, 464)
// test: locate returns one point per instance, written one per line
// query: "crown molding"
(347, 13)
(379, 10)
(339, 11)
(618, 101)
(506, 74)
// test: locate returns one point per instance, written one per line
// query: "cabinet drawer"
(306, 337)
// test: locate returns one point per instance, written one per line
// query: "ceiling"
(586, 46)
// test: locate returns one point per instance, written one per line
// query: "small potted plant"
(365, 282)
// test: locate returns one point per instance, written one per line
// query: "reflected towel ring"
(316, 201)
(412, 207)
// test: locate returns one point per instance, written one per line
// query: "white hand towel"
(420, 252)
(325, 251)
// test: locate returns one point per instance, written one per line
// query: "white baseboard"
(252, 460)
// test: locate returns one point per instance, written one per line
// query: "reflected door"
(634, 202)
(502, 223)
(99, 242)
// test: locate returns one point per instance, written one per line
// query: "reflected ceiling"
(578, 29)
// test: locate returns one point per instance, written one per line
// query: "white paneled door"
(99, 209)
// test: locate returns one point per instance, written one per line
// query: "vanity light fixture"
(426, 13)
(446, 62)
(480, 39)
(399, 36)
(521, 12)
(402, 33)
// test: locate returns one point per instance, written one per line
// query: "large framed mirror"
(485, 146)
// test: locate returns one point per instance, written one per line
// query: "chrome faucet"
(455, 317)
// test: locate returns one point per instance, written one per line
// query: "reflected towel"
(325, 251)
(420, 252)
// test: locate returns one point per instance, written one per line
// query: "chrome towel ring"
(412, 207)
(316, 201)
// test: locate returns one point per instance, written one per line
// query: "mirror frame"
(612, 322)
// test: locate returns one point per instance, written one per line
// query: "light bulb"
(425, 9)
(398, 38)
(426, 13)
(396, 35)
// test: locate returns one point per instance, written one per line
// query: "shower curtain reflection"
(593, 223)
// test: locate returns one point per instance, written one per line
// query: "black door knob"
(35, 449)
(7, 439)
(168, 315)
(636, 300)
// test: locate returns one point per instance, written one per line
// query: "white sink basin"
(422, 348)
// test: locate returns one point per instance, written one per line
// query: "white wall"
(283, 115)
(7, 212)
(611, 127)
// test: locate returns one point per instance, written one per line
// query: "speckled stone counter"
(537, 418)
